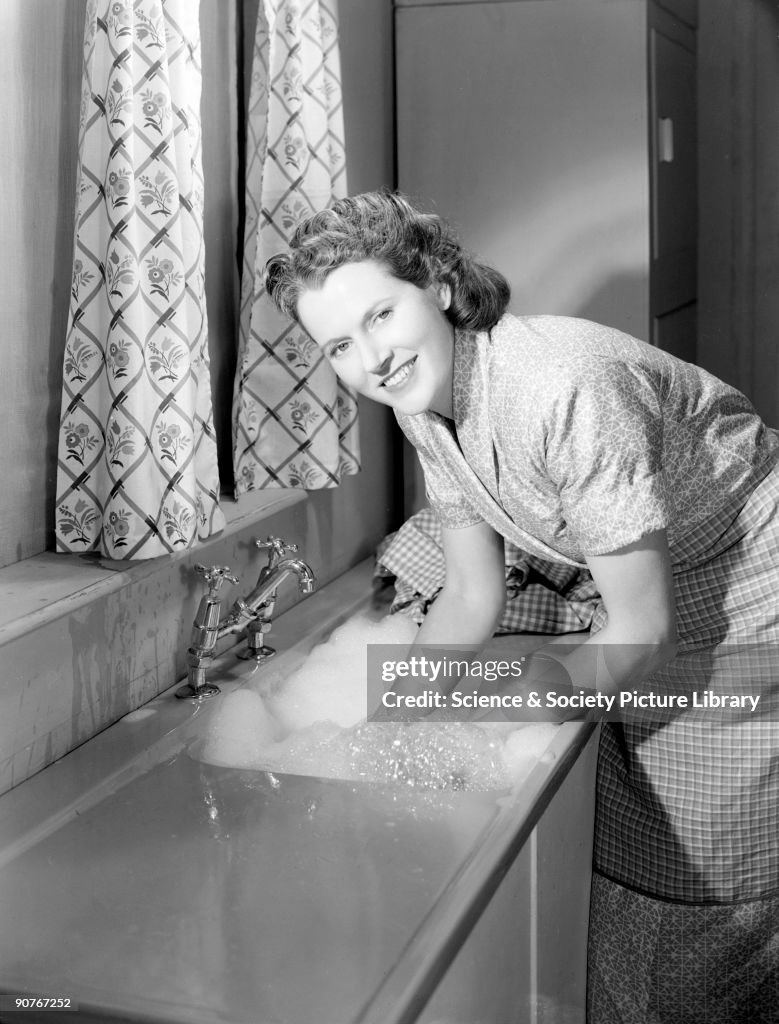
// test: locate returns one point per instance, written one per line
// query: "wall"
(739, 197)
(39, 102)
(84, 640)
(542, 163)
(553, 187)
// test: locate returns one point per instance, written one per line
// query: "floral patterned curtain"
(295, 424)
(137, 474)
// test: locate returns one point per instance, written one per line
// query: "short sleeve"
(604, 455)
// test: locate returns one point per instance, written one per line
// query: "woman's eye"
(383, 314)
(339, 349)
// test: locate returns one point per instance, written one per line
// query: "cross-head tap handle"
(276, 548)
(215, 575)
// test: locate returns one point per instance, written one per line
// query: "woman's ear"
(444, 296)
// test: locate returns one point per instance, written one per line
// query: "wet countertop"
(175, 891)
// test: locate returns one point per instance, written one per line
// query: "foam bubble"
(314, 723)
(331, 684)
(240, 731)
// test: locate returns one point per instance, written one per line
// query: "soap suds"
(314, 723)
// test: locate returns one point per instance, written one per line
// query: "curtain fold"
(295, 424)
(137, 469)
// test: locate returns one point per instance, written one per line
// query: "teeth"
(398, 377)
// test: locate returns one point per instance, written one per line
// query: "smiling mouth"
(400, 376)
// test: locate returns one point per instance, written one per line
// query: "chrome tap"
(208, 627)
(258, 606)
(252, 613)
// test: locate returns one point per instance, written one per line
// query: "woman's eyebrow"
(370, 311)
(375, 307)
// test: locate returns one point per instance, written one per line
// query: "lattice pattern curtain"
(137, 473)
(295, 424)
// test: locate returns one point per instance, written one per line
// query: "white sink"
(149, 885)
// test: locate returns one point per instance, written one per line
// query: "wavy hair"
(416, 247)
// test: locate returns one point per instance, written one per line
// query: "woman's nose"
(381, 368)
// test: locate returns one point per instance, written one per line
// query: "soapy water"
(313, 722)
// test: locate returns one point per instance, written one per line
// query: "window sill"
(46, 587)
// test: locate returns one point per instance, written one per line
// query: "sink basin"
(149, 884)
(418, 755)
(305, 714)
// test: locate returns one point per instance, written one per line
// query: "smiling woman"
(388, 339)
(583, 445)
(381, 287)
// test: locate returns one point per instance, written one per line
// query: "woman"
(583, 445)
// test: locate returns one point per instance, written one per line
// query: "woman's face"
(389, 340)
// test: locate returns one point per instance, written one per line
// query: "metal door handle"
(665, 140)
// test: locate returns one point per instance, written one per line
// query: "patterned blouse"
(572, 439)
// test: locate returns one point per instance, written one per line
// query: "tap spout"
(252, 612)
(270, 580)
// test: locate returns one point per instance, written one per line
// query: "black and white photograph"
(389, 520)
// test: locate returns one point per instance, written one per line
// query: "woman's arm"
(636, 586)
(462, 618)
(471, 602)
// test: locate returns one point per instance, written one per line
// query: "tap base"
(257, 654)
(188, 692)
